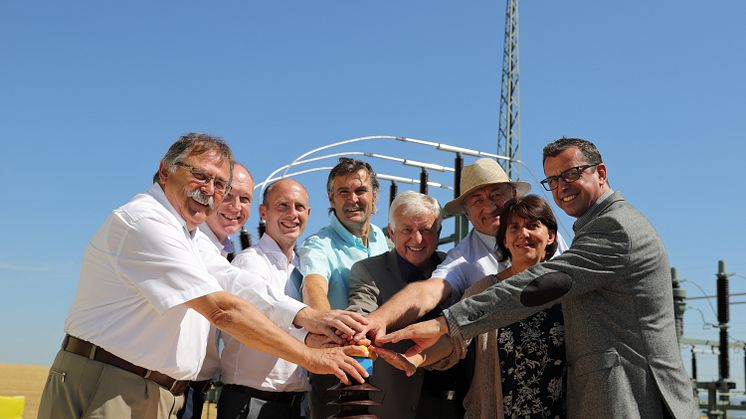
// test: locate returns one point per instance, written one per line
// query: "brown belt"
(96, 353)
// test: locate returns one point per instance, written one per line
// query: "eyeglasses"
(221, 186)
(569, 176)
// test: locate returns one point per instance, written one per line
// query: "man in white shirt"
(486, 188)
(233, 213)
(257, 384)
(149, 288)
(227, 220)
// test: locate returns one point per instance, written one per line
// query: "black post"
(462, 225)
(694, 364)
(679, 304)
(723, 319)
(423, 181)
(245, 238)
(393, 190)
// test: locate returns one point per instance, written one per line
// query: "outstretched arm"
(247, 324)
(315, 289)
(406, 306)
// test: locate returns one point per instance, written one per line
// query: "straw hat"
(483, 172)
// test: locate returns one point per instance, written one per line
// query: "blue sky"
(93, 93)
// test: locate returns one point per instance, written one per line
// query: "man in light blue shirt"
(327, 256)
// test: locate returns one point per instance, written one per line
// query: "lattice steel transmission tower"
(509, 131)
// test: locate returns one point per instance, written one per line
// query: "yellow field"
(28, 381)
(24, 380)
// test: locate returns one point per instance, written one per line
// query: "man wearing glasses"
(149, 289)
(614, 284)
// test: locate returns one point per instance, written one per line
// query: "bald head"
(285, 212)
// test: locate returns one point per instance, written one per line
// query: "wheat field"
(28, 381)
(24, 380)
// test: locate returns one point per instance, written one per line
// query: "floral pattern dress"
(533, 367)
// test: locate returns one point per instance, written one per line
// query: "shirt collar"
(213, 238)
(160, 196)
(487, 240)
(581, 220)
(348, 237)
(269, 247)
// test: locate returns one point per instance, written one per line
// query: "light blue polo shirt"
(331, 253)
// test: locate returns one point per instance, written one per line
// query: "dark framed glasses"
(569, 176)
(221, 186)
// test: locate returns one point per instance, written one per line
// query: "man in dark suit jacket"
(614, 284)
(414, 227)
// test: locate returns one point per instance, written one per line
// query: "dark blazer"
(614, 284)
(372, 282)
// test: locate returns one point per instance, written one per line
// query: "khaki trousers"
(78, 387)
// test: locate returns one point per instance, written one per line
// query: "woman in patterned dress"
(520, 368)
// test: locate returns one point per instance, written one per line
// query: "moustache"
(203, 199)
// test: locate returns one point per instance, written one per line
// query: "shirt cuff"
(285, 313)
(455, 335)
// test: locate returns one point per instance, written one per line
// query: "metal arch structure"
(509, 130)
(311, 156)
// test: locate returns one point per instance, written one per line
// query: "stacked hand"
(423, 334)
(399, 361)
(336, 325)
(337, 361)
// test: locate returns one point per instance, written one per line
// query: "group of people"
(511, 322)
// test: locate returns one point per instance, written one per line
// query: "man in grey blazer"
(614, 284)
(414, 227)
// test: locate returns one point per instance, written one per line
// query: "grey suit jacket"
(372, 282)
(614, 284)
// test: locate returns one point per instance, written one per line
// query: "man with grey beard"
(149, 289)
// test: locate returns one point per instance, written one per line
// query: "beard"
(201, 198)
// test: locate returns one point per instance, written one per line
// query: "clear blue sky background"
(93, 93)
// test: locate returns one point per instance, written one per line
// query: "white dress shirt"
(248, 367)
(472, 259)
(137, 271)
(214, 239)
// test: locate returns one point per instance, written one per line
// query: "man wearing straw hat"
(486, 188)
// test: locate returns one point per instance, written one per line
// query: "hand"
(395, 359)
(423, 334)
(335, 324)
(315, 340)
(337, 361)
(376, 327)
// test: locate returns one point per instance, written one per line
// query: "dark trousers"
(439, 407)
(320, 397)
(239, 402)
(194, 401)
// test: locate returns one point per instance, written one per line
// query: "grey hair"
(414, 203)
(196, 143)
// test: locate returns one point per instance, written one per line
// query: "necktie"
(228, 245)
